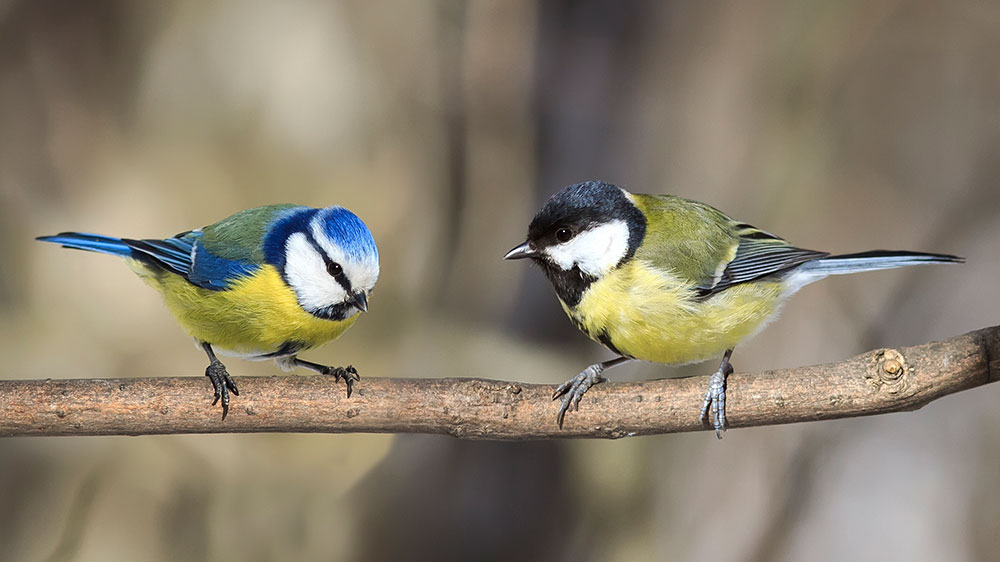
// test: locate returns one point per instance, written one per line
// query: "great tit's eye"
(334, 269)
(564, 234)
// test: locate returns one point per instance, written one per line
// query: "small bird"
(671, 280)
(265, 283)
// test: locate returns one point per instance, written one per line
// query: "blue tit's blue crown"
(346, 230)
(339, 225)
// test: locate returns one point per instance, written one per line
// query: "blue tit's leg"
(573, 389)
(715, 396)
(222, 383)
(349, 373)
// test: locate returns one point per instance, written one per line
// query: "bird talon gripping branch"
(670, 280)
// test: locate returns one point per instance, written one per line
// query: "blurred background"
(843, 126)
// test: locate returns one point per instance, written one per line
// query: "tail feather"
(873, 261)
(90, 242)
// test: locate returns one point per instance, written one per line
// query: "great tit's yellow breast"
(258, 314)
(653, 315)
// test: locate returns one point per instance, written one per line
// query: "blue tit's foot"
(222, 383)
(573, 389)
(715, 397)
(348, 373)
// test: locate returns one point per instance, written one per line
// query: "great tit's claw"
(573, 390)
(715, 399)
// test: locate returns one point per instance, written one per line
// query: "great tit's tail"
(873, 261)
(91, 242)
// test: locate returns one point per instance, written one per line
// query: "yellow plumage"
(650, 314)
(257, 315)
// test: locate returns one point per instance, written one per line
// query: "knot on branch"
(888, 370)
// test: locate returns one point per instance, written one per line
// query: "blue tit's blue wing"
(212, 257)
(187, 256)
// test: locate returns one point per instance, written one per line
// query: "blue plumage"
(90, 242)
(212, 272)
(274, 242)
(181, 254)
(347, 231)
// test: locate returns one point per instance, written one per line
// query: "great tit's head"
(587, 230)
(329, 259)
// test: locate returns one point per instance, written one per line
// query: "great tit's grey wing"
(703, 246)
(758, 254)
(690, 240)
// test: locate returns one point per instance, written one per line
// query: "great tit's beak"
(360, 300)
(520, 252)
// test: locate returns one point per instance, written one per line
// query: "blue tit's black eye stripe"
(332, 267)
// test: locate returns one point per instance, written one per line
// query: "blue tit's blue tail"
(873, 261)
(90, 242)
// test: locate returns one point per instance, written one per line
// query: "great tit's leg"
(715, 396)
(348, 373)
(222, 383)
(573, 389)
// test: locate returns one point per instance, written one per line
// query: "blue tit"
(265, 283)
(670, 280)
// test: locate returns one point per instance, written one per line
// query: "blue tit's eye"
(334, 269)
(564, 234)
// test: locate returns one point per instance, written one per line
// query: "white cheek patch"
(306, 272)
(595, 251)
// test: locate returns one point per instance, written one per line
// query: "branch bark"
(877, 382)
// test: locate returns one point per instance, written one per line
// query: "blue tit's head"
(328, 257)
(585, 230)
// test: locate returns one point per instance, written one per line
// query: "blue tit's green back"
(239, 236)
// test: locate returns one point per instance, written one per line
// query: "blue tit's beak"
(360, 300)
(520, 252)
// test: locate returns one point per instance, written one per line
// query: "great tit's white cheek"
(306, 273)
(595, 251)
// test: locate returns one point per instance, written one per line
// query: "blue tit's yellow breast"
(653, 315)
(258, 314)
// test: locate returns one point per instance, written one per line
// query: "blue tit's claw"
(348, 373)
(573, 390)
(715, 399)
(222, 385)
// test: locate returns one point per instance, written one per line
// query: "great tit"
(670, 280)
(265, 283)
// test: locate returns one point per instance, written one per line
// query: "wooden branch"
(877, 382)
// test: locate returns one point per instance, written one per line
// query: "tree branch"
(876, 382)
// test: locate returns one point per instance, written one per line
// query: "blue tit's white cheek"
(305, 271)
(595, 251)
(362, 275)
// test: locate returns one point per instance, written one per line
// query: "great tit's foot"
(573, 390)
(348, 373)
(222, 383)
(715, 397)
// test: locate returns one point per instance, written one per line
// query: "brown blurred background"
(843, 126)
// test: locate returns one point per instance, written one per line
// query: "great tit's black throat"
(576, 209)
